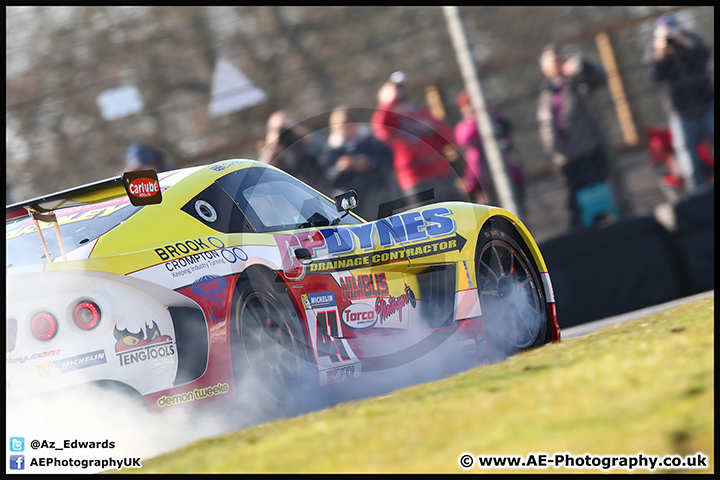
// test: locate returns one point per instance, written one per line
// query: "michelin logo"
(70, 364)
(318, 300)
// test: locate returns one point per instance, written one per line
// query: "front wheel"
(269, 363)
(512, 298)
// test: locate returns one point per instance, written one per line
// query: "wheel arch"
(512, 226)
(264, 273)
(519, 233)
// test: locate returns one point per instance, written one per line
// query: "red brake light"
(43, 326)
(87, 315)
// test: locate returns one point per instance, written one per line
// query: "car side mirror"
(304, 255)
(347, 201)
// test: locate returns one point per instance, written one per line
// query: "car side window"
(274, 201)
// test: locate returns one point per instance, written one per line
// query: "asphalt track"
(584, 329)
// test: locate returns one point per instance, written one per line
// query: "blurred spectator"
(477, 178)
(294, 149)
(8, 195)
(662, 153)
(568, 130)
(144, 157)
(417, 141)
(677, 60)
(356, 160)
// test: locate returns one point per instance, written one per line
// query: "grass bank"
(643, 386)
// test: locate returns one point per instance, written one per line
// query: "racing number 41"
(326, 344)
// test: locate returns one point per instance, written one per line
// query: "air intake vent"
(192, 343)
(437, 290)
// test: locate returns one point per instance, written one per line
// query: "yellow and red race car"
(195, 285)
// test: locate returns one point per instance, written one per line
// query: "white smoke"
(93, 414)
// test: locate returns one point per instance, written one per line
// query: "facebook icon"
(17, 462)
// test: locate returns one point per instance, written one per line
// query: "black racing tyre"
(512, 296)
(270, 363)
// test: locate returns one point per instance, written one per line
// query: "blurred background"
(199, 84)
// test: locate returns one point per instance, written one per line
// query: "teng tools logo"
(132, 347)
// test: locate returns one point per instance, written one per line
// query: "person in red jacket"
(418, 141)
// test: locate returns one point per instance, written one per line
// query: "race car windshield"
(275, 201)
(78, 226)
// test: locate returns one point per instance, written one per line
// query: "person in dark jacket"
(569, 131)
(145, 157)
(677, 61)
(293, 148)
(355, 160)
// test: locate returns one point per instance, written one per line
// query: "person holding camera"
(677, 61)
(144, 157)
(355, 160)
(569, 129)
(418, 142)
(293, 148)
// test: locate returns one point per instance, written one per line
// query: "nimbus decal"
(364, 286)
(193, 395)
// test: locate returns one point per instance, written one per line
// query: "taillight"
(552, 313)
(44, 326)
(87, 315)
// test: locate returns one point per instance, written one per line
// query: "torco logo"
(359, 316)
(143, 187)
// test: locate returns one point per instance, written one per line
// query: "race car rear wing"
(96, 192)
(142, 187)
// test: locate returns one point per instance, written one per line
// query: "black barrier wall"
(634, 264)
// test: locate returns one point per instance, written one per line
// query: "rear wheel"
(269, 361)
(512, 297)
